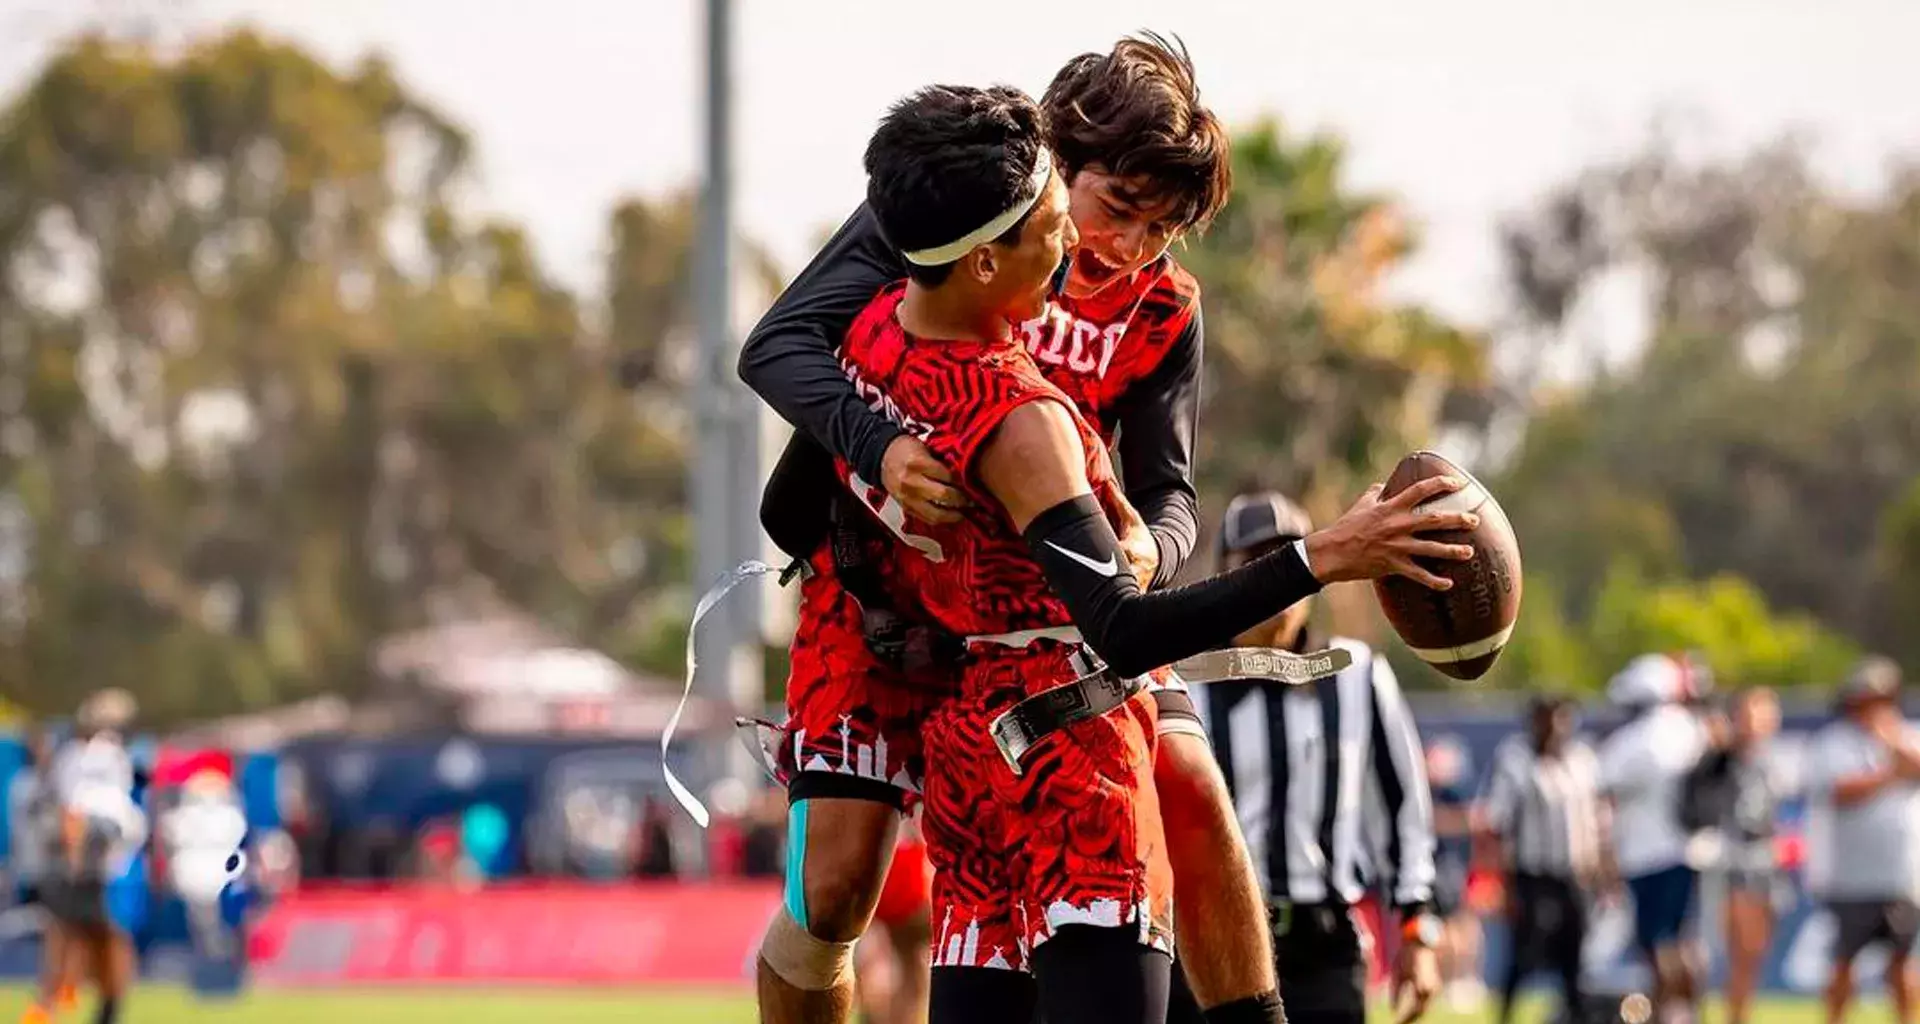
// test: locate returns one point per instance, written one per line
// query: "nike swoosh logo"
(1110, 567)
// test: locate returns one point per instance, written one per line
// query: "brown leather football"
(1459, 631)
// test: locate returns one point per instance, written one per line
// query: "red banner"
(703, 934)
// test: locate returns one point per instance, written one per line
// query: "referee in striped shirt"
(1329, 783)
(1542, 811)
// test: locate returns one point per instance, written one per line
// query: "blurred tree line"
(1762, 450)
(267, 395)
(1747, 485)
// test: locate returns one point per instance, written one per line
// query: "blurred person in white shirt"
(33, 815)
(1863, 856)
(1643, 767)
(202, 834)
(101, 830)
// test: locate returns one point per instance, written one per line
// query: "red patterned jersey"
(1097, 348)
(975, 576)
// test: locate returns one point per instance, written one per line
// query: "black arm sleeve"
(789, 360)
(1135, 632)
(1158, 419)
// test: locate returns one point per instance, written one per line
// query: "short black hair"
(948, 159)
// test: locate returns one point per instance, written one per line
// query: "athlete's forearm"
(1135, 632)
(789, 358)
(1173, 518)
(1159, 419)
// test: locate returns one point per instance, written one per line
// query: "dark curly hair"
(1136, 112)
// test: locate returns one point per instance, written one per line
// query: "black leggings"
(1082, 975)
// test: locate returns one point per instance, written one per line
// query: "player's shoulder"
(962, 383)
(1172, 293)
(875, 328)
(1177, 282)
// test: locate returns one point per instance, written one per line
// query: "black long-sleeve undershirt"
(1135, 632)
(789, 361)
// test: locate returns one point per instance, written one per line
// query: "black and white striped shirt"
(1546, 810)
(1329, 783)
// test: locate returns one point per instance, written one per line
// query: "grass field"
(520, 1006)
(415, 1006)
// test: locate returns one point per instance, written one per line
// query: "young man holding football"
(1040, 809)
(1144, 163)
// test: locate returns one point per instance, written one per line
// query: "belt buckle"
(1065, 700)
(886, 635)
(1005, 745)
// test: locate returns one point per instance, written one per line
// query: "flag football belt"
(1097, 690)
(908, 646)
(1016, 730)
(1267, 663)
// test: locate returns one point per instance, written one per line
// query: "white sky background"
(1465, 109)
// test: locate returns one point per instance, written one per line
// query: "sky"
(1466, 110)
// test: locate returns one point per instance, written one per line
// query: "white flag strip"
(740, 574)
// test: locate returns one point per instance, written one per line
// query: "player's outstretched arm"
(1035, 467)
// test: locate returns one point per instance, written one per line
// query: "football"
(1460, 631)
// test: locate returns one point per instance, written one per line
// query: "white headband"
(944, 254)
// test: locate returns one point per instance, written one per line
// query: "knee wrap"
(802, 960)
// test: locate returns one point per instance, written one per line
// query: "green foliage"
(1548, 650)
(1725, 618)
(1899, 550)
(1330, 383)
(282, 401)
(1767, 433)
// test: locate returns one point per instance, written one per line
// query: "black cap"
(1262, 517)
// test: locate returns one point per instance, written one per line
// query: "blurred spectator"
(484, 838)
(765, 855)
(1542, 814)
(1450, 774)
(436, 852)
(1643, 767)
(376, 852)
(31, 818)
(1865, 823)
(729, 801)
(655, 857)
(199, 835)
(1740, 792)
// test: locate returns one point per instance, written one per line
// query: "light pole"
(726, 467)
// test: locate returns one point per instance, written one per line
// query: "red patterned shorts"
(853, 721)
(1075, 839)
